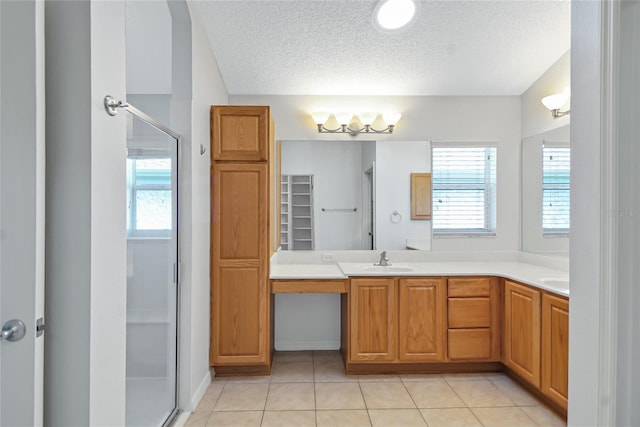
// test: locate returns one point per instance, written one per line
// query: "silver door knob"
(13, 330)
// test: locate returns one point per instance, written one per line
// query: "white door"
(21, 211)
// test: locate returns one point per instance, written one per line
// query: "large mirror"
(349, 195)
(546, 192)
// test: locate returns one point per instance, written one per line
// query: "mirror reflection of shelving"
(284, 212)
(296, 227)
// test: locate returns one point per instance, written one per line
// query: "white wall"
(207, 88)
(337, 184)
(586, 340)
(394, 165)
(149, 40)
(458, 118)
(628, 178)
(86, 244)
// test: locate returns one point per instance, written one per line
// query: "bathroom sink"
(387, 269)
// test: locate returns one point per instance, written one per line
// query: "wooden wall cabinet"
(240, 133)
(521, 340)
(420, 196)
(473, 319)
(555, 348)
(397, 320)
(241, 209)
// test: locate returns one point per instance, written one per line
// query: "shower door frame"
(176, 272)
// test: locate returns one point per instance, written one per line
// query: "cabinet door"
(555, 348)
(522, 331)
(239, 243)
(373, 320)
(240, 133)
(239, 322)
(422, 319)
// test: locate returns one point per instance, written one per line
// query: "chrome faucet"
(384, 261)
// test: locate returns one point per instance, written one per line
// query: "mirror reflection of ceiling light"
(392, 15)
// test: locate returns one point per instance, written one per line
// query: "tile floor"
(310, 388)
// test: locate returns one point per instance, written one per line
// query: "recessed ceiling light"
(393, 14)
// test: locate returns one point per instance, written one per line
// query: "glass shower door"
(152, 259)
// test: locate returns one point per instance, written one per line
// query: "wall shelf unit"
(296, 218)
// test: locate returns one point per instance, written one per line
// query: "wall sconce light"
(354, 124)
(555, 102)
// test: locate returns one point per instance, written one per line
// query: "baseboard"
(180, 420)
(201, 390)
(307, 345)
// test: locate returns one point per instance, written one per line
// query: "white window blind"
(555, 189)
(464, 190)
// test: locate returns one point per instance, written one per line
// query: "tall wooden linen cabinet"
(243, 214)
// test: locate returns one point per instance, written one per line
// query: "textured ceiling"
(308, 47)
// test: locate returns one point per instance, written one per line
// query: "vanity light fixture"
(555, 102)
(354, 124)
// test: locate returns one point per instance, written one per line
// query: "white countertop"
(548, 277)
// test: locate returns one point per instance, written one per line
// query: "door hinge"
(39, 327)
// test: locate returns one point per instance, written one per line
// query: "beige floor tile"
(290, 397)
(517, 393)
(242, 397)
(387, 395)
(421, 377)
(197, 419)
(544, 417)
(289, 419)
(332, 355)
(396, 418)
(433, 394)
(249, 379)
(465, 376)
(331, 371)
(210, 397)
(293, 356)
(235, 419)
(339, 396)
(378, 378)
(480, 393)
(292, 372)
(450, 417)
(343, 418)
(503, 417)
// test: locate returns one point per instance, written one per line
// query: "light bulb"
(367, 118)
(391, 117)
(320, 117)
(555, 102)
(394, 14)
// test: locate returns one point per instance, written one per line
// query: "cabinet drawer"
(469, 313)
(467, 344)
(469, 287)
(308, 286)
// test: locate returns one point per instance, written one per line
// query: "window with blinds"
(555, 190)
(149, 196)
(464, 190)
